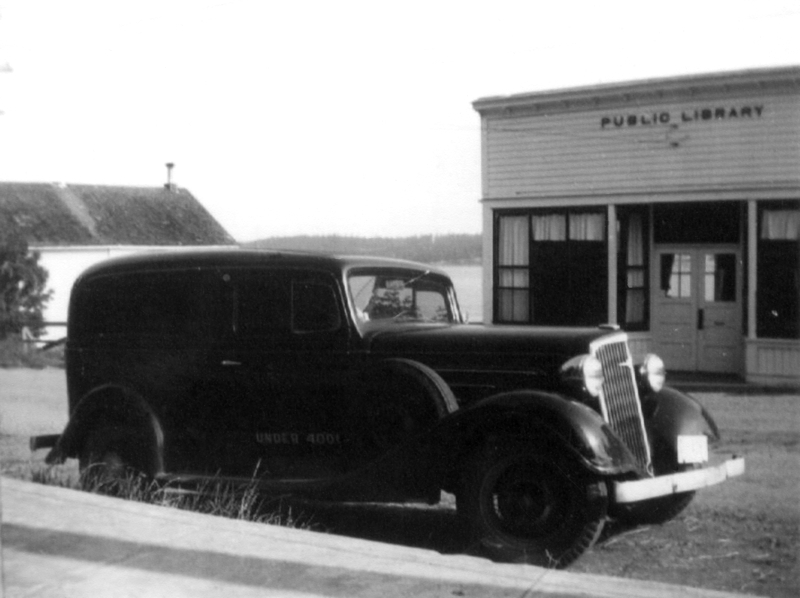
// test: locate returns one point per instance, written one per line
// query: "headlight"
(653, 372)
(592, 371)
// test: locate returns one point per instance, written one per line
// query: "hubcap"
(525, 504)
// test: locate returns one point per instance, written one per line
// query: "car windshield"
(391, 295)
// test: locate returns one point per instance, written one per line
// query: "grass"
(215, 497)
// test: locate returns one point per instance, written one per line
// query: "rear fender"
(111, 406)
(435, 389)
(541, 418)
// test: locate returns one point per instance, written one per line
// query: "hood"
(496, 347)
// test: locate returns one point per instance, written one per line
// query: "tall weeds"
(216, 497)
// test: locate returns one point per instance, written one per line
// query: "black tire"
(527, 506)
(113, 457)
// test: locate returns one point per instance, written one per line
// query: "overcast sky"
(321, 117)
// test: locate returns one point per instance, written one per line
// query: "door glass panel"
(314, 307)
(262, 305)
(720, 277)
(676, 275)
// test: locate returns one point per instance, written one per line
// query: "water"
(468, 281)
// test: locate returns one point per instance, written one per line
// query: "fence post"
(28, 339)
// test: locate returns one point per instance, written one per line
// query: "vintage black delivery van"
(356, 379)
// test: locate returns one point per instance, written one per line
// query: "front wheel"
(527, 506)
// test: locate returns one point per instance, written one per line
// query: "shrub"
(23, 292)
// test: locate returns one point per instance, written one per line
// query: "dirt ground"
(742, 536)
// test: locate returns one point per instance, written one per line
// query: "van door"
(697, 308)
(186, 374)
(291, 368)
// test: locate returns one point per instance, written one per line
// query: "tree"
(23, 292)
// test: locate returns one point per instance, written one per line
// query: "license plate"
(692, 449)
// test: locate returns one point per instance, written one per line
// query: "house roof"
(48, 214)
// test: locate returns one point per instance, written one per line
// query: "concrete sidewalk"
(65, 543)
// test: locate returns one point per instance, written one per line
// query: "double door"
(697, 308)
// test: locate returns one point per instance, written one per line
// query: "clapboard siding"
(568, 153)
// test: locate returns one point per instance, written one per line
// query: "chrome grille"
(619, 399)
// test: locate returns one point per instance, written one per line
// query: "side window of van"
(152, 303)
(314, 307)
(262, 305)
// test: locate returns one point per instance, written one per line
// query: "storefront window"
(551, 268)
(780, 225)
(513, 274)
(587, 227)
(778, 285)
(549, 227)
(632, 284)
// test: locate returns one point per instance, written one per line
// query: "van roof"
(213, 258)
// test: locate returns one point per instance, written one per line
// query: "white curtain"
(634, 306)
(780, 225)
(587, 227)
(514, 278)
(512, 262)
(513, 305)
(552, 227)
(635, 294)
(513, 246)
(635, 241)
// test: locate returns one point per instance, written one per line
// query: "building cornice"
(625, 197)
(648, 91)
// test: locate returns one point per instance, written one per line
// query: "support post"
(613, 248)
(752, 266)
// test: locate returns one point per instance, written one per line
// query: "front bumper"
(676, 483)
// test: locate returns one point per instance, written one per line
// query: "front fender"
(670, 413)
(559, 424)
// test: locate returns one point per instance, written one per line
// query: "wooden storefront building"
(670, 207)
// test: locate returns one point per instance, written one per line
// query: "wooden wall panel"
(585, 153)
(773, 362)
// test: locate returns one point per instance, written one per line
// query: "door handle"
(231, 363)
(700, 317)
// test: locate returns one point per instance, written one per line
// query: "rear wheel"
(525, 505)
(112, 460)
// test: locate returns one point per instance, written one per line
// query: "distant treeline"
(451, 248)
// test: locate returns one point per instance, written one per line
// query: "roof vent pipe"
(169, 186)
